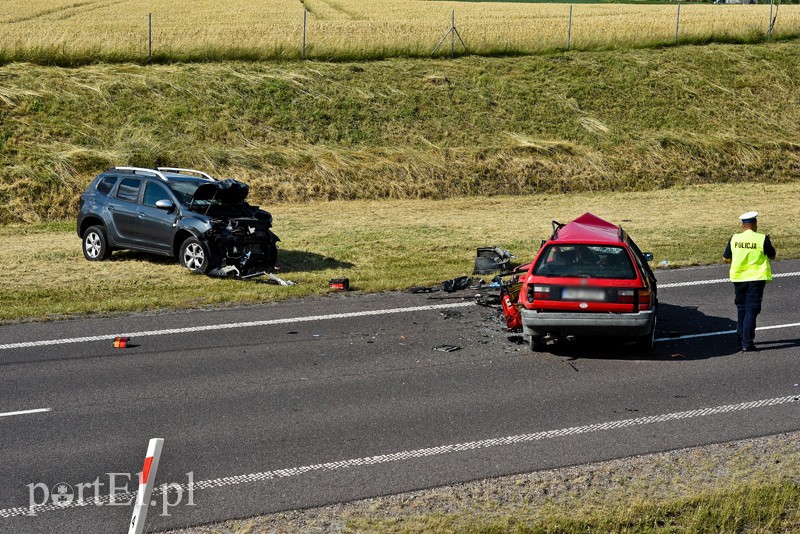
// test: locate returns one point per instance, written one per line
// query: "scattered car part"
(121, 342)
(339, 284)
(490, 260)
(462, 282)
(447, 348)
(281, 281)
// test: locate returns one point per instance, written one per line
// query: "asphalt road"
(317, 401)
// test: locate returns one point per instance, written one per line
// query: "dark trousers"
(748, 305)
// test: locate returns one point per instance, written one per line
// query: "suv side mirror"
(648, 256)
(165, 204)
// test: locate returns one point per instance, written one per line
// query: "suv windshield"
(184, 190)
(585, 261)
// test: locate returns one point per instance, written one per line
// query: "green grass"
(620, 120)
(381, 245)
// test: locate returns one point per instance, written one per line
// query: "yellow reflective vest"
(748, 261)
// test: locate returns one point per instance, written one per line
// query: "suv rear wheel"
(95, 244)
(194, 255)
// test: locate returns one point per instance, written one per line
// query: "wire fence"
(312, 33)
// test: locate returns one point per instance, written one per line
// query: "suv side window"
(154, 192)
(106, 185)
(129, 189)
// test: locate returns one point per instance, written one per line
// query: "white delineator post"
(146, 481)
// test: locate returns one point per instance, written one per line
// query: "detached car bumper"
(538, 324)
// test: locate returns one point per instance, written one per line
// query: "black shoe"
(749, 349)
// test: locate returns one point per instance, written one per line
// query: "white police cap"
(750, 216)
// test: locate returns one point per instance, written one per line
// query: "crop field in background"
(86, 31)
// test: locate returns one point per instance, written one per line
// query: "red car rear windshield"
(585, 261)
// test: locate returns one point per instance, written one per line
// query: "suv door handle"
(110, 207)
(142, 215)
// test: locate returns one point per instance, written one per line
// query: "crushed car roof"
(588, 227)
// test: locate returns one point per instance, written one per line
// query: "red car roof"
(589, 227)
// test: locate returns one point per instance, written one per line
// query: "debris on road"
(121, 342)
(447, 348)
(462, 282)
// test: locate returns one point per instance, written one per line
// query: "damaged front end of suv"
(238, 240)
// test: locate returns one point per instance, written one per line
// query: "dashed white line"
(717, 281)
(424, 453)
(24, 412)
(228, 326)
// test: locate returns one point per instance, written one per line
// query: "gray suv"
(182, 213)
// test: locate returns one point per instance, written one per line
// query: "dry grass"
(79, 30)
(381, 245)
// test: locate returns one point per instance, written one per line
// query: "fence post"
(453, 35)
(569, 28)
(305, 11)
(769, 25)
(677, 22)
(149, 38)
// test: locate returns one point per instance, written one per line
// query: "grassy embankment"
(69, 32)
(589, 121)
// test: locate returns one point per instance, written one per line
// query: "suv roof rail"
(142, 170)
(180, 170)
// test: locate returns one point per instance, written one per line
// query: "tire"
(95, 244)
(194, 255)
(645, 343)
(537, 345)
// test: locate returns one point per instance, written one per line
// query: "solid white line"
(24, 412)
(227, 326)
(421, 453)
(725, 332)
(716, 281)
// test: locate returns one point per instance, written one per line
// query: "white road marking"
(228, 326)
(725, 332)
(422, 453)
(24, 412)
(716, 281)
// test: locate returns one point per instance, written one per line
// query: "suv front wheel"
(194, 255)
(95, 244)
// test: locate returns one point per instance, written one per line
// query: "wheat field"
(86, 30)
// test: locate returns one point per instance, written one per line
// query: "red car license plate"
(581, 293)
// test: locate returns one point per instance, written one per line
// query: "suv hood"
(226, 191)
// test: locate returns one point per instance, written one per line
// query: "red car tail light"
(538, 293)
(644, 299)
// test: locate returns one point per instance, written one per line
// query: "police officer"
(749, 253)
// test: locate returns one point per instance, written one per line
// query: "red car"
(590, 279)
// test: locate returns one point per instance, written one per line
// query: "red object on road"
(509, 294)
(121, 342)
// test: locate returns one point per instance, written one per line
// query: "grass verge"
(742, 486)
(381, 245)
